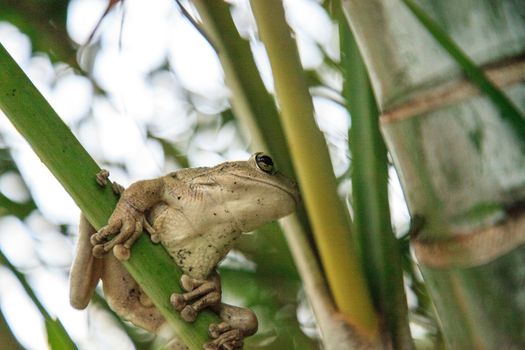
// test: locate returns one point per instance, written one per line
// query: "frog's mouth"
(294, 194)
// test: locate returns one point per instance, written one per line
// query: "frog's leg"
(127, 299)
(85, 270)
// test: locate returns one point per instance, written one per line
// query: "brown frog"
(196, 214)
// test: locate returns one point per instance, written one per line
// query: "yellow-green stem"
(314, 169)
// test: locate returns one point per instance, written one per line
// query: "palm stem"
(60, 151)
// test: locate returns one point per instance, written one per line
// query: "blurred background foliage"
(144, 92)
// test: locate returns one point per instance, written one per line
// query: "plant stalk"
(149, 264)
(309, 150)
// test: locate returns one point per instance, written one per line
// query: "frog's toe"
(117, 188)
(188, 311)
(103, 235)
(178, 302)
(216, 329)
(102, 177)
(188, 284)
(189, 314)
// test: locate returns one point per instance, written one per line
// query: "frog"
(196, 214)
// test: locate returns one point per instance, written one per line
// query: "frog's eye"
(265, 163)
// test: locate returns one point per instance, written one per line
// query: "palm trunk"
(460, 160)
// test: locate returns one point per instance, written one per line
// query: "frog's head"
(250, 192)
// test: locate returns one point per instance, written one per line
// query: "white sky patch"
(194, 61)
(334, 120)
(43, 186)
(12, 186)
(82, 16)
(17, 44)
(398, 206)
(72, 106)
(15, 236)
(25, 321)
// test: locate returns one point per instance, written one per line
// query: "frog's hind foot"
(225, 337)
(237, 323)
(202, 294)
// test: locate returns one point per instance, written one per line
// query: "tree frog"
(196, 214)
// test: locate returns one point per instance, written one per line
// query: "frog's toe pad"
(98, 251)
(121, 252)
(189, 314)
(187, 283)
(178, 302)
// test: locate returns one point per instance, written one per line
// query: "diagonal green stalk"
(380, 253)
(314, 169)
(57, 336)
(507, 108)
(150, 265)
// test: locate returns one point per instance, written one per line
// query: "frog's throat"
(292, 194)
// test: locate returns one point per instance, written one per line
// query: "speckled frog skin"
(196, 214)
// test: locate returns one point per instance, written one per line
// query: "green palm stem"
(150, 265)
(380, 252)
(314, 169)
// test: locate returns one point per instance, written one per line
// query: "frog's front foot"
(124, 227)
(199, 294)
